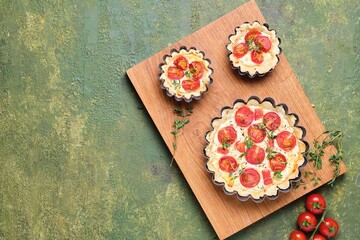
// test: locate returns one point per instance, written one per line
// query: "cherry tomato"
(318, 237)
(175, 73)
(227, 135)
(256, 134)
(221, 150)
(307, 221)
(249, 178)
(244, 116)
(278, 163)
(257, 57)
(250, 35)
(270, 144)
(297, 235)
(181, 63)
(240, 50)
(190, 85)
(240, 146)
(315, 203)
(272, 121)
(258, 113)
(267, 176)
(228, 164)
(263, 42)
(255, 155)
(197, 70)
(286, 140)
(329, 227)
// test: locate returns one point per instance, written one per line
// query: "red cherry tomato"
(278, 163)
(250, 35)
(297, 235)
(286, 140)
(227, 135)
(197, 70)
(263, 42)
(221, 150)
(329, 227)
(272, 121)
(315, 203)
(257, 57)
(249, 178)
(190, 85)
(175, 73)
(255, 155)
(258, 113)
(240, 50)
(181, 62)
(267, 176)
(228, 164)
(244, 116)
(256, 134)
(270, 144)
(307, 221)
(318, 237)
(240, 146)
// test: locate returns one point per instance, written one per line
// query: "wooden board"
(227, 214)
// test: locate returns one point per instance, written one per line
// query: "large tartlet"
(255, 149)
(254, 49)
(186, 74)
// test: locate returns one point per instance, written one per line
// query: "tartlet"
(185, 74)
(254, 49)
(255, 149)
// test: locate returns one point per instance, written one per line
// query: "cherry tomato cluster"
(309, 224)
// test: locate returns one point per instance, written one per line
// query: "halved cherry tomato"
(240, 50)
(249, 178)
(255, 155)
(221, 150)
(258, 113)
(272, 121)
(244, 116)
(228, 164)
(190, 84)
(181, 63)
(250, 35)
(263, 42)
(196, 69)
(306, 221)
(256, 134)
(267, 176)
(286, 140)
(240, 146)
(318, 237)
(257, 57)
(315, 203)
(278, 163)
(297, 235)
(227, 135)
(175, 73)
(329, 227)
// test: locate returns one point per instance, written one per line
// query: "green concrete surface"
(80, 157)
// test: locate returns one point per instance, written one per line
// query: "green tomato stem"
(317, 226)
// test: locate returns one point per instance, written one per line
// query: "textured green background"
(80, 158)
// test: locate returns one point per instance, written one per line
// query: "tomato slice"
(240, 146)
(286, 140)
(270, 144)
(258, 113)
(255, 155)
(244, 116)
(227, 135)
(263, 42)
(196, 70)
(257, 57)
(272, 121)
(175, 73)
(228, 164)
(278, 163)
(249, 178)
(181, 62)
(221, 150)
(190, 84)
(267, 176)
(250, 35)
(240, 50)
(256, 134)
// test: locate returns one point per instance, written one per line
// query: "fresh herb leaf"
(248, 142)
(270, 134)
(271, 153)
(176, 84)
(278, 174)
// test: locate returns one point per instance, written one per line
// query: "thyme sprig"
(314, 179)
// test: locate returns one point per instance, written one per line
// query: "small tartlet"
(185, 74)
(254, 49)
(255, 149)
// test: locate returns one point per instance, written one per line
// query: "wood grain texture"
(227, 214)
